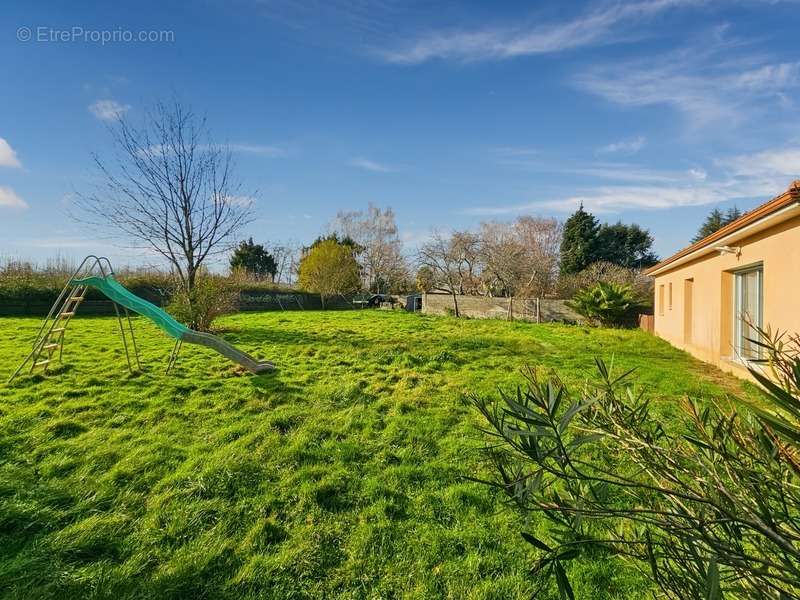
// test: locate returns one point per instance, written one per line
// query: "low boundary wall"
(540, 310)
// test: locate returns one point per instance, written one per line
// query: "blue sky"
(651, 111)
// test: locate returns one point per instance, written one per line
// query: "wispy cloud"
(779, 162)
(240, 201)
(709, 85)
(259, 149)
(10, 199)
(242, 148)
(8, 158)
(600, 26)
(631, 146)
(617, 171)
(108, 110)
(612, 199)
(742, 177)
(370, 165)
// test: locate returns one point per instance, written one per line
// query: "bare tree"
(286, 256)
(541, 242)
(382, 262)
(169, 189)
(520, 258)
(465, 246)
(443, 258)
(502, 254)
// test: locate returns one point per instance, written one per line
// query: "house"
(708, 294)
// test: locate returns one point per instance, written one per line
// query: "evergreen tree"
(628, 246)
(579, 243)
(732, 214)
(715, 221)
(254, 259)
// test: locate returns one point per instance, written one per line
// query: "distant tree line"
(533, 257)
(530, 257)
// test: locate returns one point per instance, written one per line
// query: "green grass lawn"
(337, 475)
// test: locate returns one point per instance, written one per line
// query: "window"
(661, 300)
(670, 296)
(688, 307)
(748, 312)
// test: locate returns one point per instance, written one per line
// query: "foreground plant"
(712, 511)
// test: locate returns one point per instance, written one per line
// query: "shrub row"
(26, 291)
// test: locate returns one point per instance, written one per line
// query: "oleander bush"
(709, 507)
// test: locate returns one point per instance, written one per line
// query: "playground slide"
(118, 293)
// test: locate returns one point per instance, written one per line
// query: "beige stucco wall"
(711, 331)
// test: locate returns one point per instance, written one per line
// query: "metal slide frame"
(51, 334)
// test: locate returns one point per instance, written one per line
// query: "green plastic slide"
(118, 293)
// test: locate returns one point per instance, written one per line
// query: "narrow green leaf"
(713, 591)
(564, 588)
(536, 542)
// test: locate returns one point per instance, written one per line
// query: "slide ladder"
(96, 272)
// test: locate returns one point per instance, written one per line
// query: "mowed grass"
(339, 475)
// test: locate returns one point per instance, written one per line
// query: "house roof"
(788, 198)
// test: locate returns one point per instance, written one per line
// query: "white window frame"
(737, 303)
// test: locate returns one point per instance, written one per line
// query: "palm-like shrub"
(605, 303)
(707, 506)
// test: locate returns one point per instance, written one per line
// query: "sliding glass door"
(748, 312)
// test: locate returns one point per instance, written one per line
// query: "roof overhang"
(791, 210)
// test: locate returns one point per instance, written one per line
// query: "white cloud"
(707, 85)
(108, 110)
(758, 176)
(240, 201)
(10, 199)
(370, 165)
(782, 162)
(260, 149)
(597, 27)
(243, 148)
(620, 172)
(631, 146)
(611, 199)
(624, 172)
(698, 173)
(8, 158)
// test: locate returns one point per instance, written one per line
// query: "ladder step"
(41, 363)
(50, 346)
(76, 298)
(57, 330)
(67, 314)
